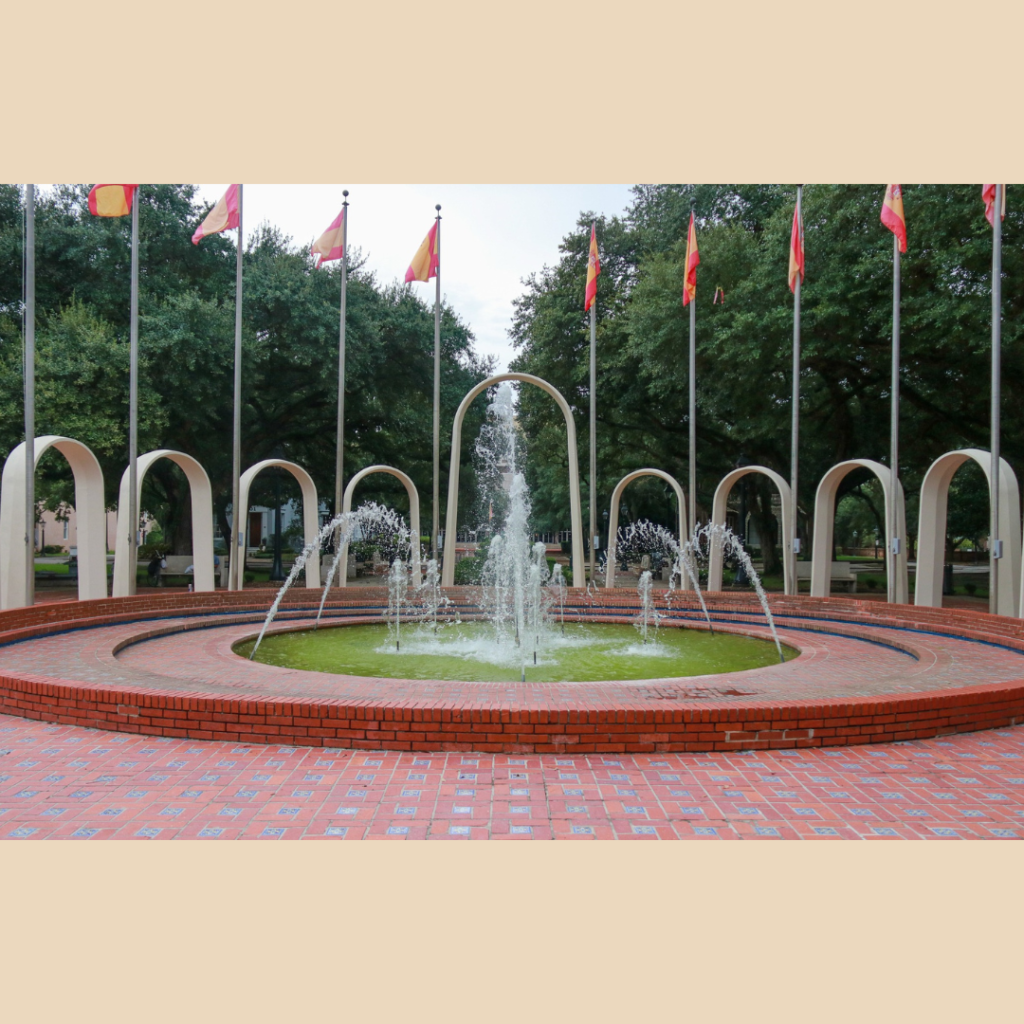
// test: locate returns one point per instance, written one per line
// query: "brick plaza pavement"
(66, 782)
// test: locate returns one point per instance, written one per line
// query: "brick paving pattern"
(66, 782)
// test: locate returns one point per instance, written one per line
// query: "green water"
(467, 652)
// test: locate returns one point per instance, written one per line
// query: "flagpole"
(995, 546)
(235, 568)
(133, 406)
(437, 391)
(593, 442)
(795, 411)
(30, 394)
(693, 405)
(894, 430)
(339, 456)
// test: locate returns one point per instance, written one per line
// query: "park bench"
(841, 576)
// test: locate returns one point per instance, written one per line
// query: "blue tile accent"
(336, 830)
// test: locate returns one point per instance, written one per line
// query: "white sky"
(492, 236)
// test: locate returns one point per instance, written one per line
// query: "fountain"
(521, 601)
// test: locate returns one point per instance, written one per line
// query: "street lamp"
(741, 571)
(277, 569)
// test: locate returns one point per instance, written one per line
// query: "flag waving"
(796, 251)
(988, 195)
(223, 217)
(593, 270)
(111, 200)
(427, 260)
(331, 245)
(692, 262)
(892, 214)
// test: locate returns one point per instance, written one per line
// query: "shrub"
(249, 577)
(871, 582)
(52, 549)
(971, 588)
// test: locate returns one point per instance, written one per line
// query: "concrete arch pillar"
(201, 495)
(718, 511)
(452, 517)
(414, 517)
(89, 509)
(824, 526)
(613, 518)
(931, 535)
(310, 516)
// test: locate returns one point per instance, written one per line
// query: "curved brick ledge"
(664, 723)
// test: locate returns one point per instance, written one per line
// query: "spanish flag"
(692, 262)
(427, 261)
(593, 270)
(223, 217)
(330, 245)
(988, 194)
(892, 214)
(111, 200)
(796, 251)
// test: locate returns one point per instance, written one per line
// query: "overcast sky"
(492, 235)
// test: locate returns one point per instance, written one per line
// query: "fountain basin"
(467, 652)
(165, 666)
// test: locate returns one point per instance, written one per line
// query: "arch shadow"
(89, 509)
(452, 516)
(613, 519)
(201, 496)
(414, 517)
(718, 511)
(931, 535)
(310, 518)
(824, 526)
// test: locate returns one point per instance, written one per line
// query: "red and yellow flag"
(111, 200)
(330, 245)
(692, 262)
(427, 261)
(988, 194)
(796, 251)
(223, 217)
(892, 214)
(593, 270)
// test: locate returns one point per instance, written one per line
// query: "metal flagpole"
(693, 406)
(437, 389)
(133, 406)
(894, 434)
(593, 440)
(795, 440)
(30, 394)
(339, 457)
(996, 545)
(239, 525)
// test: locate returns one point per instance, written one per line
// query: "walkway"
(63, 782)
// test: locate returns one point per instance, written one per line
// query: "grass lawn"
(57, 569)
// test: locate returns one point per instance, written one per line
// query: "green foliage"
(186, 356)
(744, 347)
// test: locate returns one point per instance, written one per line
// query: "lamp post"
(741, 572)
(277, 569)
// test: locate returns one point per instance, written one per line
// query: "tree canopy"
(186, 354)
(744, 345)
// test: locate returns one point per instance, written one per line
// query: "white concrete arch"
(202, 520)
(718, 511)
(89, 507)
(613, 520)
(931, 536)
(452, 517)
(310, 517)
(824, 526)
(414, 517)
